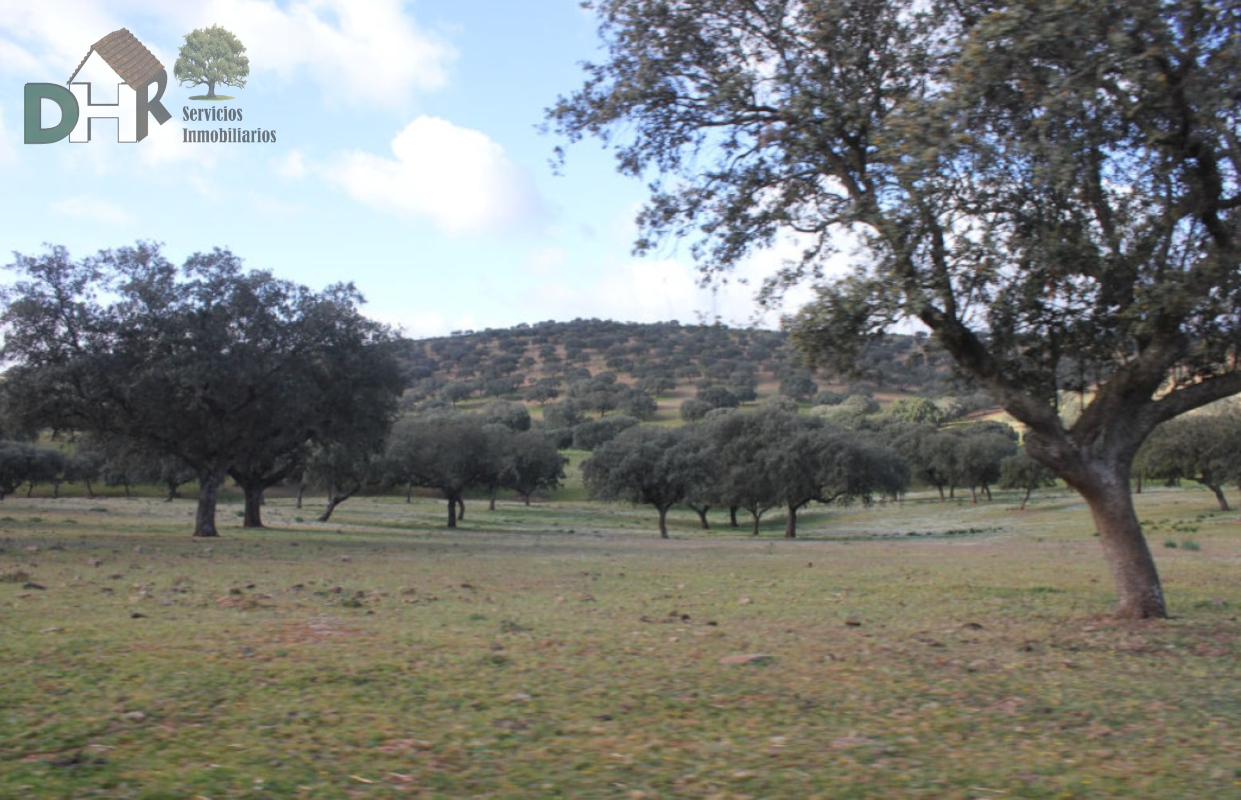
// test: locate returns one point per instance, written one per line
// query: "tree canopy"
(1051, 188)
(1204, 448)
(221, 368)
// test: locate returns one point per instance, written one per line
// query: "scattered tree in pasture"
(1052, 189)
(84, 466)
(454, 393)
(1019, 471)
(341, 468)
(718, 397)
(646, 465)
(543, 390)
(638, 404)
(448, 452)
(216, 366)
(565, 414)
(46, 465)
(532, 464)
(798, 384)
(16, 464)
(593, 433)
(981, 454)
(1204, 448)
(932, 456)
(514, 416)
(739, 441)
(693, 409)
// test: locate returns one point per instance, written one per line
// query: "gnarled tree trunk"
(790, 522)
(1102, 479)
(209, 481)
(1140, 594)
(663, 521)
(252, 516)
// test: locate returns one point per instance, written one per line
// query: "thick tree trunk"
(701, 511)
(1219, 497)
(1140, 595)
(301, 491)
(491, 498)
(732, 517)
(173, 494)
(209, 481)
(790, 523)
(252, 517)
(452, 511)
(941, 491)
(460, 507)
(758, 515)
(90, 490)
(663, 522)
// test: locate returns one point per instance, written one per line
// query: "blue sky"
(406, 160)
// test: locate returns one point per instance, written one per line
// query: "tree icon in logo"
(211, 55)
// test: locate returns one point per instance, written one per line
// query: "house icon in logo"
(128, 58)
(135, 65)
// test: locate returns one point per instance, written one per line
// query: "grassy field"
(562, 650)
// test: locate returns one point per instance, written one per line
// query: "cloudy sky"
(406, 160)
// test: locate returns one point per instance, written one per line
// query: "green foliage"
(1053, 189)
(448, 452)
(1019, 471)
(1204, 448)
(590, 435)
(513, 416)
(647, 465)
(210, 56)
(223, 369)
(916, 410)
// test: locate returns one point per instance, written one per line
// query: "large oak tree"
(222, 368)
(1049, 186)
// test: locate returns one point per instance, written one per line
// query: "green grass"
(562, 650)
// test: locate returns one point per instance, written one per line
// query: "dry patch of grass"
(381, 656)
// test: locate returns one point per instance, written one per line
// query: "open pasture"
(562, 650)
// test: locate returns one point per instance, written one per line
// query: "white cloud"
(9, 142)
(360, 53)
(457, 178)
(45, 41)
(545, 262)
(290, 166)
(274, 208)
(92, 209)
(632, 290)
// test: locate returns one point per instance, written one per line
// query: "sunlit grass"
(562, 650)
